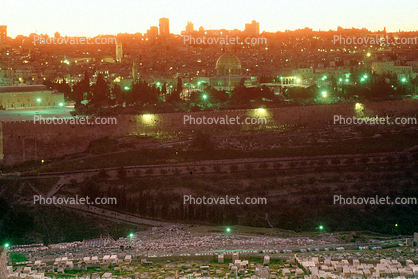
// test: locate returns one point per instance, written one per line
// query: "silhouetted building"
(189, 27)
(164, 26)
(152, 33)
(252, 29)
(3, 35)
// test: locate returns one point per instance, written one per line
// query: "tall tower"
(189, 27)
(3, 34)
(119, 52)
(164, 26)
(134, 71)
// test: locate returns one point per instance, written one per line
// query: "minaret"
(119, 52)
(134, 71)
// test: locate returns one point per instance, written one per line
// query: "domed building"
(228, 75)
(228, 65)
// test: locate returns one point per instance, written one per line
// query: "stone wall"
(26, 140)
(3, 263)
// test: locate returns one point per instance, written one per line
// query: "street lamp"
(324, 94)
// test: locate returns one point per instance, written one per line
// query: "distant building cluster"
(300, 58)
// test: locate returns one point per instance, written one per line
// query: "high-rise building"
(252, 29)
(119, 52)
(152, 33)
(164, 26)
(3, 34)
(189, 27)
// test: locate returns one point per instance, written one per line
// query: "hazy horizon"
(80, 18)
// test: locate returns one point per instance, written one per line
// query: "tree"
(81, 90)
(101, 92)
(117, 93)
(175, 96)
(164, 90)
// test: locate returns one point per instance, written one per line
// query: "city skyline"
(130, 16)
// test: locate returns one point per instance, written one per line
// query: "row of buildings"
(29, 96)
(301, 57)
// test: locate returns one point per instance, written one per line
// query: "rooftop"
(22, 88)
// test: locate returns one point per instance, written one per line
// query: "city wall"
(26, 140)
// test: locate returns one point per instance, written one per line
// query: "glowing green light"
(126, 88)
(396, 225)
(6, 245)
(346, 80)
(131, 235)
(39, 99)
(158, 83)
(205, 96)
(61, 104)
(228, 229)
(341, 79)
(365, 76)
(362, 79)
(404, 79)
(324, 94)
(321, 227)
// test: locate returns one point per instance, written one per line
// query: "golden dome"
(228, 64)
